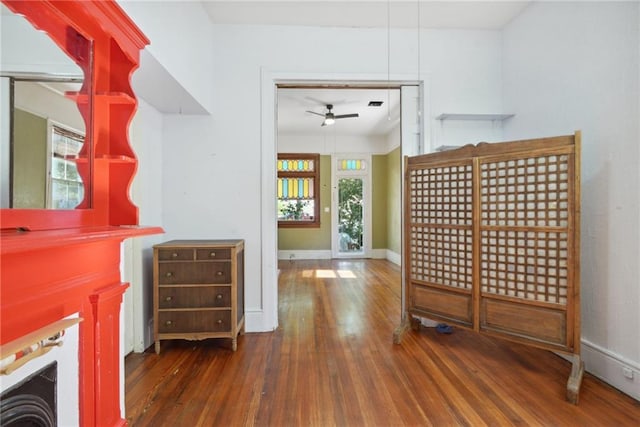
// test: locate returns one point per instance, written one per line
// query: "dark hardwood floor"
(332, 362)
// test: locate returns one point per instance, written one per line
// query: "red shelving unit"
(59, 262)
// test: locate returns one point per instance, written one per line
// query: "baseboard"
(394, 257)
(387, 254)
(608, 366)
(379, 253)
(304, 254)
(254, 321)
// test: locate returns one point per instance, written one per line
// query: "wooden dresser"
(198, 289)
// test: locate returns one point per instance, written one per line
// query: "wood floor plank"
(332, 362)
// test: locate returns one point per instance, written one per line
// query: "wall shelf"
(486, 117)
(446, 147)
(117, 97)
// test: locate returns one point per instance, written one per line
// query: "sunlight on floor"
(325, 274)
(346, 274)
(329, 274)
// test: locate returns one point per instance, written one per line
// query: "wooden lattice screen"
(492, 243)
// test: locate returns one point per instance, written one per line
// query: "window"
(298, 190)
(66, 190)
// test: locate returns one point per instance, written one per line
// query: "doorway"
(366, 126)
(265, 317)
(351, 206)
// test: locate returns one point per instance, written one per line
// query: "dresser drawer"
(175, 254)
(194, 297)
(175, 273)
(213, 253)
(194, 321)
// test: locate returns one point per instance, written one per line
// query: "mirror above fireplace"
(44, 163)
(98, 171)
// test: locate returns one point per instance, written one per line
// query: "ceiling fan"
(330, 118)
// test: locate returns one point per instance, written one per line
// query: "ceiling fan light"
(329, 121)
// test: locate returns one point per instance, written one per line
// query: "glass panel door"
(351, 202)
(350, 216)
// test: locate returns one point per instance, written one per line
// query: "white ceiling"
(293, 117)
(488, 15)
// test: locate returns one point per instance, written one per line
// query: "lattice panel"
(442, 255)
(530, 265)
(441, 195)
(492, 236)
(526, 192)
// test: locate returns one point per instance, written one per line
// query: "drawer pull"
(219, 273)
(219, 321)
(169, 298)
(212, 254)
(168, 323)
(219, 296)
(175, 254)
(169, 274)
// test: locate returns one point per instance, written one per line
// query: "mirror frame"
(106, 102)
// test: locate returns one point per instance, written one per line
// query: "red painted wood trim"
(106, 310)
(69, 261)
(26, 241)
(117, 42)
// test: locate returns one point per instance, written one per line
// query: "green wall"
(385, 201)
(312, 238)
(29, 160)
(394, 201)
(379, 196)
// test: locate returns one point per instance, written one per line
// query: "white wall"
(145, 135)
(46, 103)
(212, 165)
(570, 66)
(454, 86)
(180, 33)
(330, 143)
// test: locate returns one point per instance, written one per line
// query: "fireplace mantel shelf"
(14, 241)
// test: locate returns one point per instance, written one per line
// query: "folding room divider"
(492, 243)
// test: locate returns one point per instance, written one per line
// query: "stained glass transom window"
(352, 165)
(296, 165)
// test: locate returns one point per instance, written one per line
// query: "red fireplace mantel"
(49, 275)
(56, 263)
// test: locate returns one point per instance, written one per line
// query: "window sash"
(299, 180)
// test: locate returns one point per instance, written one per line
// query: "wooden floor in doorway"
(332, 362)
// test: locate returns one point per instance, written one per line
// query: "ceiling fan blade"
(316, 100)
(313, 112)
(323, 124)
(324, 103)
(346, 116)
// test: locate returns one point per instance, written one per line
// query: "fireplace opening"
(31, 402)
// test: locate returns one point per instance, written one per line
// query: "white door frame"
(366, 209)
(265, 317)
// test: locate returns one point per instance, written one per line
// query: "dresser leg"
(157, 346)
(234, 344)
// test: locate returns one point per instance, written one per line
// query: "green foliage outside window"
(350, 209)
